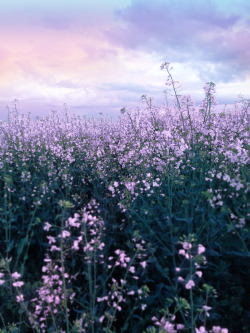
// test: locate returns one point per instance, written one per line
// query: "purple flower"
(190, 284)
(47, 226)
(201, 330)
(199, 273)
(182, 252)
(16, 275)
(65, 234)
(18, 284)
(51, 239)
(218, 329)
(19, 298)
(201, 249)
(180, 326)
(187, 246)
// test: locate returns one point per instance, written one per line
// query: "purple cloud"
(187, 31)
(56, 22)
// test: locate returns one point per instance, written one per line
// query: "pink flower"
(47, 226)
(206, 309)
(1, 282)
(49, 299)
(187, 246)
(199, 273)
(101, 319)
(16, 275)
(65, 234)
(201, 249)
(19, 298)
(218, 329)
(169, 327)
(200, 330)
(190, 284)
(180, 326)
(51, 239)
(73, 221)
(18, 284)
(143, 264)
(132, 269)
(54, 248)
(182, 252)
(75, 245)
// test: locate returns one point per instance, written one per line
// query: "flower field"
(134, 225)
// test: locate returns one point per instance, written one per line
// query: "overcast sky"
(103, 55)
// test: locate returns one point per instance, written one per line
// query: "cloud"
(56, 22)
(67, 84)
(188, 31)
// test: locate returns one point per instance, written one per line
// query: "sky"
(102, 55)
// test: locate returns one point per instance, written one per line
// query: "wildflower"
(167, 326)
(190, 284)
(16, 275)
(1, 282)
(65, 234)
(206, 309)
(200, 330)
(143, 264)
(101, 299)
(218, 329)
(201, 249)
(51, 239)
(132, 269)
(199, 273)
(47, 226)
(219, 175)
(49, 299)
(111, 189)
(101, 319)
(19, 298)
(180, 326)
(18, 284)
(187, 246)
(75, 245)
(73, 221)
(182, 252)
(54, 248)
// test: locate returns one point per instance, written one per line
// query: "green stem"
(63, 277)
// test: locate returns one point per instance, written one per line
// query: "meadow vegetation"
(134, 225)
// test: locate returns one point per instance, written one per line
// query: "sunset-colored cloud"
(88, 54)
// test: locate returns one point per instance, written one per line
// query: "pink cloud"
(190, 31)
